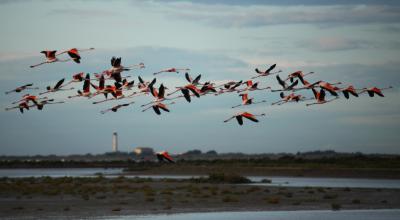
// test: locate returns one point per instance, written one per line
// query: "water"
(393, 214)
(58, 172)
(276, 181)
(327, 182)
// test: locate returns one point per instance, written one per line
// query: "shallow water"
(58, 172)
(276, 215)
(275, 181)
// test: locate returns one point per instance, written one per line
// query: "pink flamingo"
(266, 72)
(239, 117)
(247, 101)
(171, 70)
(116, 107)
(22, 88)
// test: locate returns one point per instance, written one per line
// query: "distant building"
(115, 142)
(143, 151)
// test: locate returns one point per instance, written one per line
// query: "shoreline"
(97, 197)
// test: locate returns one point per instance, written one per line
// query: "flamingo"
(206, 89)
(128, 85)
(292, 97)
(163, 156)
(78, 77)
(86, 89)
(100, 88)
(116, 69)
(171, 70)
(115, 91)
(239, 117)
(374, 90)
(29, 98)
(230, 87)
(247, 101)
(330, 87)
(349, 90)
(21, 106)
(116, 107)
(144, 87)
(157, 106)
(266, 72)
(320, 97)
(307, 85)
(187, 89)
(57, 87)
(193, 81)
(74, 54)
(39, 105)
(252, 86)
(285, 86)
(21, 88)
(158, 95)
(50, 58)
(299, 74)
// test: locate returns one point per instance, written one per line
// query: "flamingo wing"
(271, 68)
(249, 116)
(239, 119)
(59, 83)
(188, 78)
(156, 109)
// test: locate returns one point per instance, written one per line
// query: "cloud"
(239, 16)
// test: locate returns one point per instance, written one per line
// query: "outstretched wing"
(59, 83)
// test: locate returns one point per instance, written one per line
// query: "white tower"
(115, 142)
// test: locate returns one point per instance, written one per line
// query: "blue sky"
(355, 42)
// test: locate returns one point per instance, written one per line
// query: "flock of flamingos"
(112, 85)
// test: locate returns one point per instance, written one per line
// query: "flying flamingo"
(229, 87)
(39, 105)
(158, 95)
(50, 58)
(163, 156)
(292, 97)
(143, 86)
(57, 87)
(330, 87)
(128, 85)
(307, 85)
(86, 89)
(21, 106)
(266, 72)
(116, 107)
(247, 101)
(117, 68)
(186, 91)
(320, 97)
(239, 117)
(100, 88)
(206, 89)
(349, 90)
(157, 106)
(171, 70)
(78, 77)
(252, 86)
(115, 91)
(374, 90)
(285, 87)
(29, 98)
(21, 88)
(194, 81)
(74, 54)
(299, 74)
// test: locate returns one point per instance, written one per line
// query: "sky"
(353, 42)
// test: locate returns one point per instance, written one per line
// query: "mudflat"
(93, 197)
